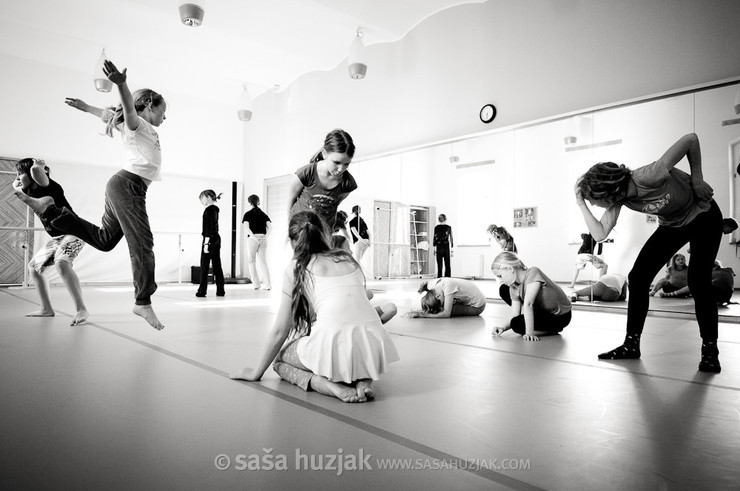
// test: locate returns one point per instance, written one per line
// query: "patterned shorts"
(61, 248)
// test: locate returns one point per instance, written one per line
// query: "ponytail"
(210, 193)
(337, 141)
(143, 98)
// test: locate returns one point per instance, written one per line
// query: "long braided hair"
(606, 182)
(308, 236)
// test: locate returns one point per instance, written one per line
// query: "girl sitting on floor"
(338, 344)
(675, 283)
(539, 306)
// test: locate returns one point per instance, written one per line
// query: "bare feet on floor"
(80, 318)
(365, 390)
(245, 373)
(41, 313)
(344, 393)
(147, 312)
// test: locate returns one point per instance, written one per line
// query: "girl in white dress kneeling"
(337, 344)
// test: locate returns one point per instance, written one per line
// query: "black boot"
(709, 357)
(630, 350)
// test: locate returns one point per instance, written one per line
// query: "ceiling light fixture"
(245, 105)
(356, 61)
(102, 84)
(191, 14)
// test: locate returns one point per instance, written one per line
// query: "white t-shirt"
(145, 154)
(463, 291)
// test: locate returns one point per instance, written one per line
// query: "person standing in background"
(442, 244)
(360, 234)
(211, 250)
(259, 229)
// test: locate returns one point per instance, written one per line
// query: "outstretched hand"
(76, 103)
(702, 190)
(113, 74)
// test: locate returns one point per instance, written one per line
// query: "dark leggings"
(543, 321)
(124, 216)
(703, 235)
(213, 256)
(443, 256)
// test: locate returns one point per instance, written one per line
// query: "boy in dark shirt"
(33, 181)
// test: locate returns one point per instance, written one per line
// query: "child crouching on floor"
(539, 307)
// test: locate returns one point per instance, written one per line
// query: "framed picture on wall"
(525, 217)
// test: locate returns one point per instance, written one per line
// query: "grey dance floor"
(113, 404)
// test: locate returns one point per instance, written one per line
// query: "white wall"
(532, 58)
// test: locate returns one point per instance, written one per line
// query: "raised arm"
(84, 106)
(38, 173)
(688, 146)
(130, 116)
(599, 229)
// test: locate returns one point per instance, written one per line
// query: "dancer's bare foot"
(39, 205)
(80, 318)
(344, 393)
(41, 313)
(246, 373)
(147, 312)
(365, 390)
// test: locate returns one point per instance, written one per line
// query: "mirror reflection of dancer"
(33, 180)
(686, 213)
(210, 252)
(322, 184)
(502, 237)
(675, 283)
(125, 212)
(442, 244)
(609, 288)
(587, 253)
(339, 345)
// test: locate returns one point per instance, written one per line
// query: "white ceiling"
(264, 43)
